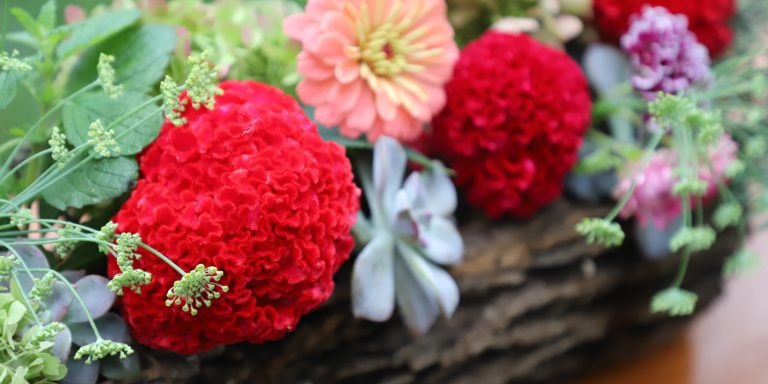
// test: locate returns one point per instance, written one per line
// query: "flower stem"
(650, 150)
(46, 116)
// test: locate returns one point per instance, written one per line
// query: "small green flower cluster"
(64, 246)
(7, 264)
(102, 140)
(133, 278)
(201, 83)
(22, 217)
(674, 301)
(46, 333)
(102, 348)
(196, 288)
(105, 235)
(601, 231)
(12, 62)
(42, 288)
(693, 239)
(107, 76)
(59, 151)
(172, 104)
(201, 86)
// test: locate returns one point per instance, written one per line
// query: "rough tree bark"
(538, 304)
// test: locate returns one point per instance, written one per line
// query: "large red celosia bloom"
(708, 19)
(250, 188)
(516, 114)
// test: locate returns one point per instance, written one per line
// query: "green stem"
(650, 150)
(77, 297)
(25, 162)
(17, 148)
(163, 258)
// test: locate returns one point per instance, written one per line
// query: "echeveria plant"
(410, 235)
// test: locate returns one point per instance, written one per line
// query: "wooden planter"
(537, 304)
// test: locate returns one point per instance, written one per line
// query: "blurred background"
(726, 344)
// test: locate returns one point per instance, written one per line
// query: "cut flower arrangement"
(182, 175)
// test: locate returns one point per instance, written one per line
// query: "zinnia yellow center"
(390, 47)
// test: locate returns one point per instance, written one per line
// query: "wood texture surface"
(538, 304)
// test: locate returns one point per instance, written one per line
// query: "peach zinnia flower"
(374, 66)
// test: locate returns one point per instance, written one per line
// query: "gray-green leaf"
(98, 299)
(95, 30)
(85, 109)
(92, 183)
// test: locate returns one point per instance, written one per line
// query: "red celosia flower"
(708, 19)
(516, 114)
(250, 188)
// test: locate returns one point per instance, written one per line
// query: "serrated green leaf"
(9, 81)
(95, 30)
(85, 109)
(141, 56)
(92, 183)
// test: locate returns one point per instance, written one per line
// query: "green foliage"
(95, 30)
(25, 352)
(141, 57)
(601, 231)
(742, 262)
(9, 82)
(92, 183)
(674, 302)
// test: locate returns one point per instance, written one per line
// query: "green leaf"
(9, 81)
(600, 160)
(85, 109)
(95, 30)
(47, 17)
(141, 56)
(92, 183)
(28, 22)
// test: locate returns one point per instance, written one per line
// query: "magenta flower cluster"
(664, 53)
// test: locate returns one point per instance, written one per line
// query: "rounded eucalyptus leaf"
(32, 256)
(80, 373)
(73, 276)
(115, 368)
(62, 345)
(110, 326)
(58, 303)
(97, 298)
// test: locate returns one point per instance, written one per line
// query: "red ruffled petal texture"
(516, 114)
(252, 189)
(708, 19)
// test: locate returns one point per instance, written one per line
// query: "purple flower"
(665, 55)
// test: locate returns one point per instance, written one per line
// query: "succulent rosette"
(516, 114)
(411, 236)
(250, 188)
(374, 67)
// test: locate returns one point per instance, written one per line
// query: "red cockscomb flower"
(516, 114)
(250, 188)
(708, 19)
